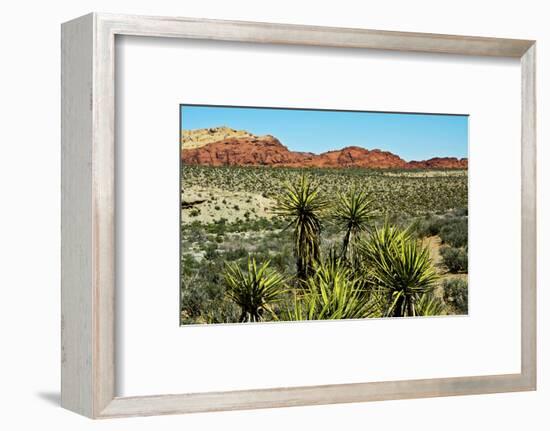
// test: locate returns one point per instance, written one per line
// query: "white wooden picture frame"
(88, 215)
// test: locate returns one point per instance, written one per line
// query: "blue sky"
(411, 136)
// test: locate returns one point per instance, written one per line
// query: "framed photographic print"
(265, 215)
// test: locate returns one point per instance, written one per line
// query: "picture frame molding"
(88, 205)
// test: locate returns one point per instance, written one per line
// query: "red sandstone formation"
(268, 151)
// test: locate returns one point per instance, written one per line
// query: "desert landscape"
(271, 234)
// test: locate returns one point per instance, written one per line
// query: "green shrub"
(452, 228)
(188, 264)
(219, 227)
(455, 233)
(460, 212)
(283, 260)
(194, 234)
(235, 254)
(455, 259)
(204, 302)
(455, 294)
(193, 299)
(211, 252)
(433, 226)
(221, 311)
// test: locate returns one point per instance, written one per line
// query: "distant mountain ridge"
(200, 137)
(223, 146)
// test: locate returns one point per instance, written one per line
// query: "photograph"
(309, 214)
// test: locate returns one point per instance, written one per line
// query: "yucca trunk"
(307, 256)
(404, 307)
(249, 316)
(302, 268)
(346, 252)
(349, 244)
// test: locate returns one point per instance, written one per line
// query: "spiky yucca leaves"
(429, 305)
(401, 268)
(333, 292)
(253, 291)
(353, 214)
(303, 205)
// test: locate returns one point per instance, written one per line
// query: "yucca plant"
(353, 214)
(333, 292)
(302, 204)
(255, 290)
(400, 267)
(429, 305)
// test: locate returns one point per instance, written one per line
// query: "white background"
(155, 76)
(29, 228)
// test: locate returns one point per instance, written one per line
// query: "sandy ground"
(207, 205)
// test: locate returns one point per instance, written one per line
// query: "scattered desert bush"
(235, 254)
(211, 251)
(452, 227)
(394, 191)
(455, 232)
(455, 294)
(454, 258)
(188, 264)
(429, 226)
(193, 300)
(460, 212)
(203, 302)
(317, 223)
